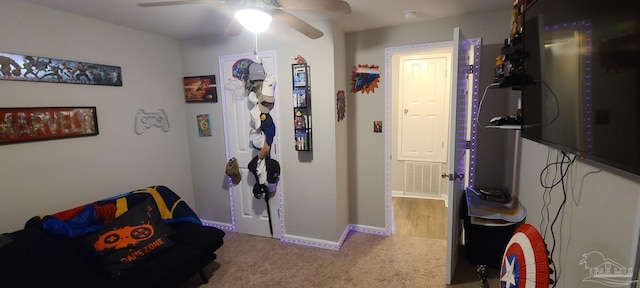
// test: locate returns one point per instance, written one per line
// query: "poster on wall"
(198, 89)
(204, 125)
(365, 78)
(43, 69)
(46, 123)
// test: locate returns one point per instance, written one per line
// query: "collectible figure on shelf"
(516, 25)
(300, 60)
(300, 121)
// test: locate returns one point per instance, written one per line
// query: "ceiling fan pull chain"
(255, 46)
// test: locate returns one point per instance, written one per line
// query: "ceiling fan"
(275, 8)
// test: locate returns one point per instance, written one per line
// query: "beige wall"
(600, 213)
(49, 176)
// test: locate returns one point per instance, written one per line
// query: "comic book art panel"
(200, 89)
(46, 123)
(43, 69)
(365, 78)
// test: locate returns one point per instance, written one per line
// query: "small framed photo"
(46, 123)
(204, 125)
(199, 89)
(377, 126)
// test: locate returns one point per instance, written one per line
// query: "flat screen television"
(583, 58)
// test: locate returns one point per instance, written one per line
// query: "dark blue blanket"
(88, 218)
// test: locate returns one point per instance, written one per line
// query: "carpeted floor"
(364, 260)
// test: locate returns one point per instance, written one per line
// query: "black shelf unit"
(302, 106)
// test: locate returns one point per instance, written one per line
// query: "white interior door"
(424, 94)
(249, 214)
(463, 57)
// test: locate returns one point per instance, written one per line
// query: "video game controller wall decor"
(146, 120)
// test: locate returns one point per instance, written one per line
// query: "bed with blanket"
(144, 238)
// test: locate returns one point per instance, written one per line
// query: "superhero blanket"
(90, 217)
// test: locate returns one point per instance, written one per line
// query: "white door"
(250, 215)
(424, 94)
(463, 85)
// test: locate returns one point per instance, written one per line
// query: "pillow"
(131, 238)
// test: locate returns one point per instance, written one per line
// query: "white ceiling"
(196, 20)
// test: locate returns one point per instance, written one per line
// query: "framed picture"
(43, 69)
(46, 123)
(200, 89)
(377, 126)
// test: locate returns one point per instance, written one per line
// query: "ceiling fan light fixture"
(254, 20)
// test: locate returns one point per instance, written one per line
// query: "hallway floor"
(425, 218)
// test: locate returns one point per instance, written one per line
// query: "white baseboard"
(330, 244)
(370, 230)
(306, 241)
(397, 193)
(442, 197)
(219, 225)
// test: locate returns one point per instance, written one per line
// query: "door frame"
(471, 125)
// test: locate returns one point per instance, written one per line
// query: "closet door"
(249, 215)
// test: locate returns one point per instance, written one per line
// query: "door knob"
(452, 177)
(406, 111)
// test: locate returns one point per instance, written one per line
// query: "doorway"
(420, 105)
(461, 137)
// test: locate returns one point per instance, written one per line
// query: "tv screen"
(584, 59)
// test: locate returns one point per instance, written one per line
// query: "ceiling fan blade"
(296, 23)
(329, 6)
(234, 28)
(181, 2)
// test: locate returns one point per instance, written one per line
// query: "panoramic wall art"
(42, 69)
(46, 123)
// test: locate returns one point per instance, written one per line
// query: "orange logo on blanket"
(124, 237)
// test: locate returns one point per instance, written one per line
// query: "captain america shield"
(525, 263)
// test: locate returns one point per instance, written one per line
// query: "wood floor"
(425, 218)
